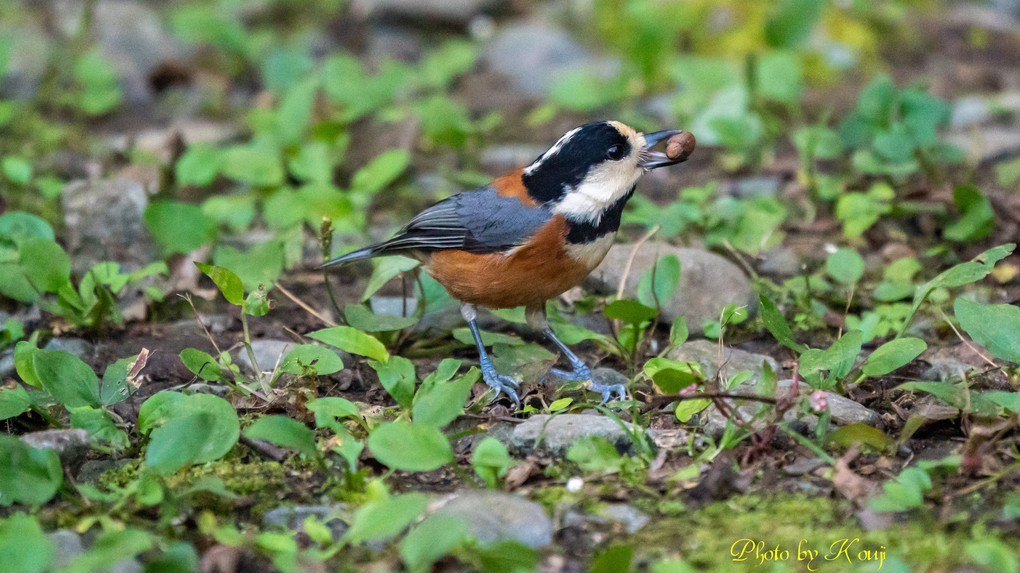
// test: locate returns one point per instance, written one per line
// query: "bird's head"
(594, 166)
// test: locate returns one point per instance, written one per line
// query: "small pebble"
(680, 146)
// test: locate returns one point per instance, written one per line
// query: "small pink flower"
(688, 390)
(819, 400)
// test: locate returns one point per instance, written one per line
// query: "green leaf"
(306, 359)
(284, 432)
(671, 376)
(330, 409)
(360, 317)
(17, 169)
(688, 408)
(776, 324)
(179, 445)
(111, 547)
(100, 86)
(666, 273)
(907, 492)
(864, 434)
(260, 265)
(964, 273)
(993, 555)
(791, 22)
(379, 519)
(437, 403)
(18, 226)
(381, 171)
(100, 426)
(629, 311)
(410, 447)
(14, 402)
(397, 377)
(490, 461)
(385, 269)
(613, 560)
(202, 364)
(24, 548)
(46, 264)
(994, 326)
(432, 539)
(892, 355)
(978, 217)
(116, 387)
(69, 380)
(561, 404)
(225, 280)
(845, 265)
(178, 227)
(956, 395)
(595, 454)
(27, 475)
(254, 165)
(199, 165)
(353, 341)
(257, 302)
(24, 352)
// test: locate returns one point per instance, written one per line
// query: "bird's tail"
(358, 255)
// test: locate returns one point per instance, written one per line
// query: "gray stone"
(757, 187)
(708, 282)
(803, 465)
(67, 547)
(843, 411)
(132, 36)
(988, 143)
(534, 56)
(269, 353)
(781, 262)
(428, 12)
(91, 470)
(81, 349)
(609, 376)
(706, 353)
(631, 518)
(70, 445)
(495, 516)
(543, 434)
(104, 223)
(7, 363)
(970, 110)
(293, 517)
(26, 63)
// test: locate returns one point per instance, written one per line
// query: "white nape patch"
(603, 186)
(591, 254)
(552, 150)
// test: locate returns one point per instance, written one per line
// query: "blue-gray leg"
(494, 379)
(582, 372)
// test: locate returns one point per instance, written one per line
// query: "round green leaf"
(386, 517)
(994, 326)
(285, 432)
(629, 311)
(27, 475)
(24, 548)
(225, 280)
(178, 227)
(845, 265)
(410, 447)
(66, 378)
(311, 358)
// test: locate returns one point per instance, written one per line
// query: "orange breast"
(529, 275)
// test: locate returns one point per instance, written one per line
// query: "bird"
(531, 235)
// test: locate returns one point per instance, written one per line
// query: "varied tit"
(533, 234)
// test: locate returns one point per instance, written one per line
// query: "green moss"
(710, 537)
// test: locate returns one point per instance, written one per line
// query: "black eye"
(616, 152)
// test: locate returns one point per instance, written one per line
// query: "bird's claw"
(609, 392)
(502, 383)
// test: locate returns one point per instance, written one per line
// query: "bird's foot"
(501, 383)
(581, 372)
(609, 392)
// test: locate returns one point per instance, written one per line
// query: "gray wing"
(481, 221)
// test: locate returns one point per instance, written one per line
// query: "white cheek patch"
(552, 150)
(602, 187)
(591, 254)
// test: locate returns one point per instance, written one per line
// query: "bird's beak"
(654, 159)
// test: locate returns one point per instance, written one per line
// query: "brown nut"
(680, 146)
